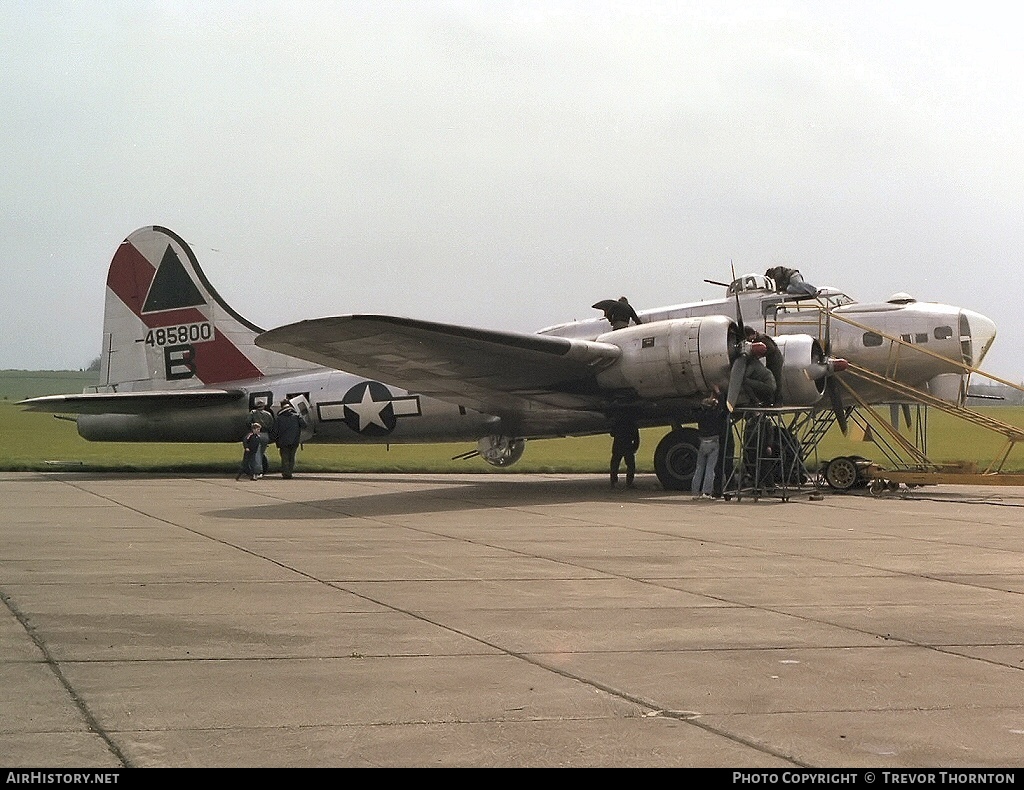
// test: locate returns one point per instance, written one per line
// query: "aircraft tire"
(841, 474)
(675, 459)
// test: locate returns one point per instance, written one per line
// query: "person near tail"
(252, 449)
(265, 418)
(288, 432)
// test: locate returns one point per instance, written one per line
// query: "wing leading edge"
(503, 373)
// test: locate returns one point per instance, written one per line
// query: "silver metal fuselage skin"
(349, 409)
(344, 409)
(936, 340)
(180, 365)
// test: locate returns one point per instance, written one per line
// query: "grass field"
(30, 441)
(18, 384)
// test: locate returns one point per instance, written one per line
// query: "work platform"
(906, 460)
(767, 457)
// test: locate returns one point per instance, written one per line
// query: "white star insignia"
(369, 410)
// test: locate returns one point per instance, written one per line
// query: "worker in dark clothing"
(618, 312)
(790, 281)
(772, 359)
(712, 421)
(265, 418)
(759, 387)
(252, 448)
(288, 434)
(625, 443)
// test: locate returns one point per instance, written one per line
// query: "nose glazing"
(976, 336)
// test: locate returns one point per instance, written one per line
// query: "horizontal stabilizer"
(131, 402)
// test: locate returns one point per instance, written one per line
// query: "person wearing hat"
(288, 429)
(262, 414)
(252, 445)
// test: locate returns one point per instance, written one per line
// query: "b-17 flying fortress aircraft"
(179, 365)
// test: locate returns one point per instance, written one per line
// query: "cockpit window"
(751, 282)
(943, 332)
(872, 339)
(832, 298)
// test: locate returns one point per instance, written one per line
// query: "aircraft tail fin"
(166, 327)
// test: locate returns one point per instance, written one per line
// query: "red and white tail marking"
(166, 327)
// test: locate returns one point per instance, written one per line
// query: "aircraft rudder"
(165, 326)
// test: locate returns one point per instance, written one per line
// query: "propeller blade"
(816, 371)
(835, 397)
(906, 415)
(894, 415)
(736, 374)
(745, 351)
(739, 313)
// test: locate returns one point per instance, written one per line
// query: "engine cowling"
(950, 387)
(679, 357)
(689, 356)
(804, 369)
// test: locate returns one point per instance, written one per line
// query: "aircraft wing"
(130, 402)
(501, 373)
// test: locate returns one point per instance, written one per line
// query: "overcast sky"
(506, 164)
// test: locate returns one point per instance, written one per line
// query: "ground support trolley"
(887, 481)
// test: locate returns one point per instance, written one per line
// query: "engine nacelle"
(674, 358)
(501, 451)
(804, 368)
(950, 387)
(687, 357)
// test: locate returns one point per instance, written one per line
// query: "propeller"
(826, 369)
(742, 352)
(832, 389)
(739, 363)
(745, 352)
(835, 399)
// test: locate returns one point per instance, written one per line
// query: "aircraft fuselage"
(342, 408)
(936, 340)
(179, 364)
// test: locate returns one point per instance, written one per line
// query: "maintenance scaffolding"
(771, 455)
(907, 460)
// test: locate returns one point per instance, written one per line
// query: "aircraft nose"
(978, 337)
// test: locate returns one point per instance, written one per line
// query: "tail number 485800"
(176, 335)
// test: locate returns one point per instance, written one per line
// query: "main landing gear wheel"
(675, 459)
(841, 474)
